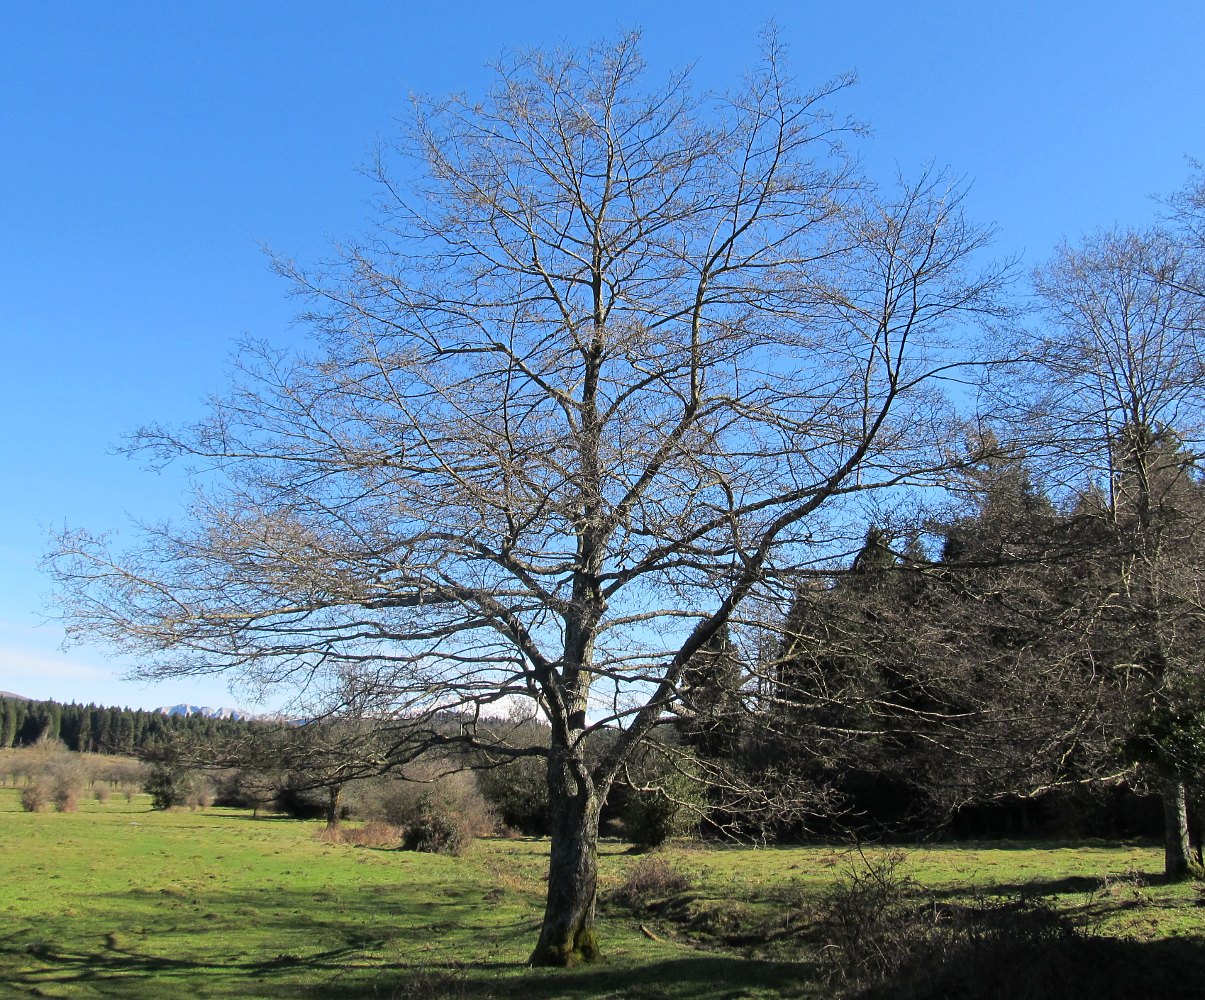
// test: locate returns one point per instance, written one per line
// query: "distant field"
(120, 901)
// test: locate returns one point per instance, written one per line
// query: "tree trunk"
(567, 935)
(332, 806)
(1177, 854)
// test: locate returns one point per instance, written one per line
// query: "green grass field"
(119, 901)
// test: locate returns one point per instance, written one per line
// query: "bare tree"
(613, 355)
(1120, 421)
(274, 757)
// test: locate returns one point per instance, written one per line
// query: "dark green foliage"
(436, 829)
(92, 729)
(518, 792)
(516, 786)
(171, 785)
(670, 807)
(711, 687)
(847, 702)
(1169, 739)
(913, 688)
(9, 723)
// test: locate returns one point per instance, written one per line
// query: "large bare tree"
(1119, 423)
(614, 355)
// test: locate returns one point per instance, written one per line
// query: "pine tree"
(1153, 627)
(711, 698)
(8, 722)
(84, 735)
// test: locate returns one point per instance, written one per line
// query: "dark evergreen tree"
(712, 706)
(8, 722)
(841, 685)
(84, 732)
(921, 687)
(1152, 623)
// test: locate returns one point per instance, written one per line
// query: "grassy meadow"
(118, 901)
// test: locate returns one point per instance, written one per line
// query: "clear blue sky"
(148, 150)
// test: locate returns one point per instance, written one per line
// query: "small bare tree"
(613, 355)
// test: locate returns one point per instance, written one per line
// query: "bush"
(162, 785)
(518, 792)
(883, 936)
(867, 923)
(372, 834)
(426, 789)
(35, 797)
(169, 785)
(436, 829)
(649, 879)
(67, 781)
(55, 776)
(671, 809)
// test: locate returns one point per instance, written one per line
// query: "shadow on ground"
(1106, 969)
(706, 977)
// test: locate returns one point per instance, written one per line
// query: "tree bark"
(567, 935)
(1177, 852)
(332, 806)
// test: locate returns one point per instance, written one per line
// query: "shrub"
(55, 776)
(162, 785)
(169, 785)
(867, 922)
(660, 813)
(35, 797)
(647, 880)
(518, 792)
(883, 936)
(424, 788)
(437, 829)
(371, 834)
(440, 810)
(67, 780)
(102, 793)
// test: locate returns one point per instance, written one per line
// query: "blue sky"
(148, 151)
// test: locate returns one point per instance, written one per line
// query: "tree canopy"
(615, 356)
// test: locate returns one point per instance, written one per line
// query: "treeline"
(1018, 666)
(98, 729)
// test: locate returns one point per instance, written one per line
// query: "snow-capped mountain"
(205, 710)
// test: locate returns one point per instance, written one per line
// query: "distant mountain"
(204, 710)
(16, 697)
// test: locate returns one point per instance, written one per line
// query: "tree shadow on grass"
(248, 944)
(1089, 968)
(702, 977)
(126, 972)
(1096, 969)
(1069, 885)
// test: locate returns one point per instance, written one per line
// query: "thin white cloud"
(19, 662)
